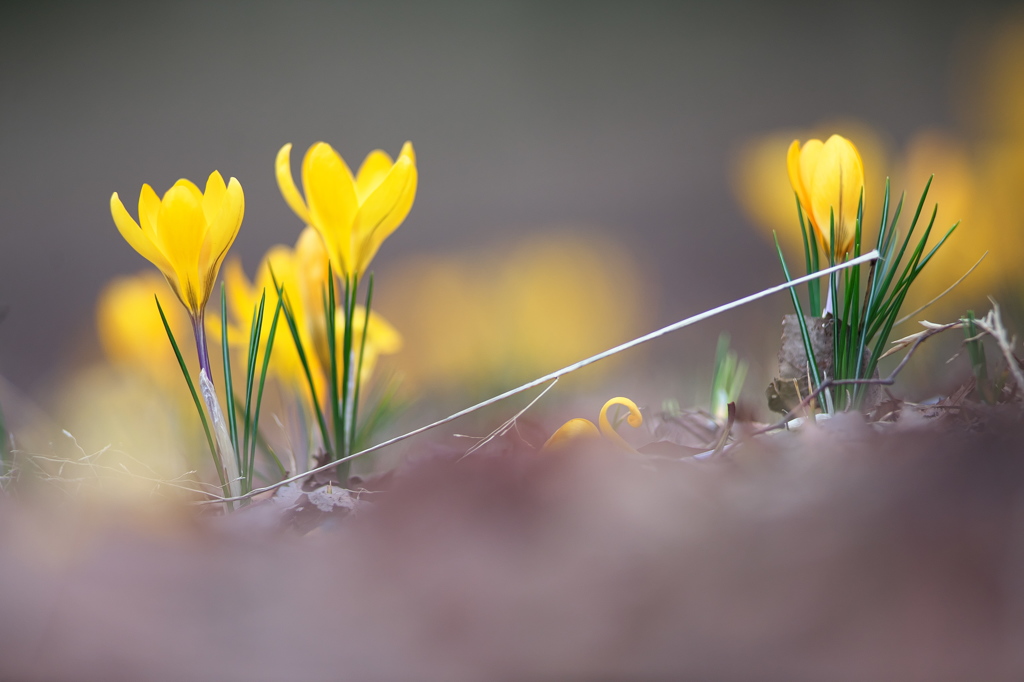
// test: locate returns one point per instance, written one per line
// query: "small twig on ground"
(504, 428)
(993, 324)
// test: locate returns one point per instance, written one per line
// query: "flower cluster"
(333, 343)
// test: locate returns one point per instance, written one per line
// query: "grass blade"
(282, 297)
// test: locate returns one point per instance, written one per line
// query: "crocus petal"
(192, 188)
(386, 208)
(795, 178)
(313, 262)
(138, 240)
(182, 227)
(574, 430)
(213, 196)
(331, 197)
(373, 171)
(311, 254)
(238, 290)
(836, 188)
(635, 420)
(149, 209)
(381, 334)
(222, 231)
(809, 155)
(285, 181)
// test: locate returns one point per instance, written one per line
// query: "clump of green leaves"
(236, 479)
(862, 309)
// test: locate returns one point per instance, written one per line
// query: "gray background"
(624, 116)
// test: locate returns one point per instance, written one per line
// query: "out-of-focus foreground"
(843, 553)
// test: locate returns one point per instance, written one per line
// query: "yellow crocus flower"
(354, 215)
(131, 332)
(828, 178)
(186, 234)
(576, 430)
(302, 271)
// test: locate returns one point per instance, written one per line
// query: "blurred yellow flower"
(303, 272)
(124, 438)
(828, 178)
(575, 430)
(479, 320)
(353, 215)
(186, 234)
(131, 332)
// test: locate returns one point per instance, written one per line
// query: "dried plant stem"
(700, 317)
(504, 428)
(993, 325)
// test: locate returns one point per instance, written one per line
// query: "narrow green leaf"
(259, 397)
(348, 376)
(330, 315)
(893, 265)
(812, 363)
(282, 297)
(255, 331)
(195, 398)
(228, 386)
(359, 365)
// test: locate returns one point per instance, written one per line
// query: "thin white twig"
(503, 429)
(689, 321)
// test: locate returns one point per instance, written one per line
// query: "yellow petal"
(285, 181)
(331, 197)
(222, 230)
(311, 254)
(238, 290)
(381, 335)
(385, 209)
(572, 431)
(795, 179)
(809, 155)
(149, 209)
(130, 329)
(192, 188)
(836, 187)
(138, 240)
(181, 228)
(373, 171)
(213, 197)
(635, 420)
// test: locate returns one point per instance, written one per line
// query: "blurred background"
(589, 171)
